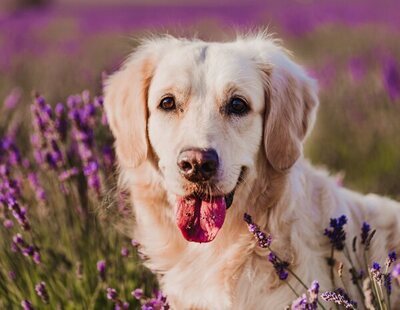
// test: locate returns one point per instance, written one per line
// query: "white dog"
(206, 131)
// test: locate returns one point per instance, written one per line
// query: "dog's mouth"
(201, 216)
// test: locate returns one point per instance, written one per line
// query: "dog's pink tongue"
(200, 220)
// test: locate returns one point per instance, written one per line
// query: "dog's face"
(205, 111)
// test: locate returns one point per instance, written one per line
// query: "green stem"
(347, 254)
(293, 290)
(331, 267)
(92, 301)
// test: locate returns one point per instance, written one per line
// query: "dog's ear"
(125, 102)
(291, 102)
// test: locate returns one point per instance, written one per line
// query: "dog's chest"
(202, 279)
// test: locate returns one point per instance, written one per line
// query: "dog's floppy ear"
(125, 102)
(291, 101)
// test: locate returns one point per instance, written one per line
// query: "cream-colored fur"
(285, 195)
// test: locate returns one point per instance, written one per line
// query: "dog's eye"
(237, 106)
(168, 104)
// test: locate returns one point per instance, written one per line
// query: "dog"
(207, 131)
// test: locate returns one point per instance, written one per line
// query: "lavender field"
(64, 228)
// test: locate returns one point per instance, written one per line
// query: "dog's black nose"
(198, 165)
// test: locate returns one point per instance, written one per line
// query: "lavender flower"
(20, 245)
(45, 137)
(108, 156)
(61, 123)
(339, 297)
(335, 232)
(41, 291)
(37, 259)
(67, 174)
(112, 294)
(137, 293)
(279, 266)
(8, 147)
(159, 302)
(36, 186)
(365, 229)
(392, 257)
(396, 273)
(82, 118)
(101, 268)
(18, 212)
(391, 78)
(313, 292)
(8, 224)
(121, 305)
(376, 273)
(264, 240)
(135, 243)
(26, 305)
(300, 303)
(13, 98)
(124, 252)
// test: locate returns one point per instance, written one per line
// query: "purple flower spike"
(41, 291)
(13, 99)
(121, 306)
(135, 243)
(124, 252)
(335, 232)
(396, 273)
(108, 156)
(112, 294)
(137, 293)
(339, 297)
(392, 257)
(313, 292)
(264, 240)
(101, 268)
(67, 174)
(300, 303)
(8, 224)
(376, 273)
(26, 305)
(391, 78)
(18, 239)
(159, 301)
(365, 229)
(279, 266)
(36, 257)
(36, 186)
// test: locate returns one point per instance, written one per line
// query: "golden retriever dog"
(206, 131)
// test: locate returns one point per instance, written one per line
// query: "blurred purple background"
(351, 47)
(33, 28)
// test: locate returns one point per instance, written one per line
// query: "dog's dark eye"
(168, 104)
(237, 106)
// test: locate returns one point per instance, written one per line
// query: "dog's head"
(203, 112)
